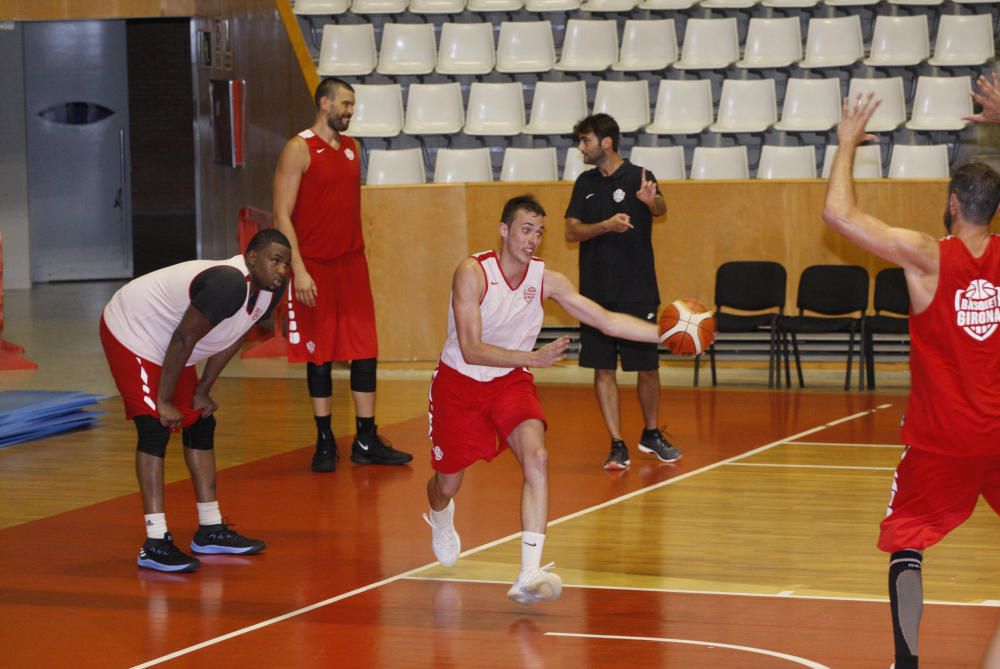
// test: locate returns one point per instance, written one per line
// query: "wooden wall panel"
(707, 223)
(58, 10)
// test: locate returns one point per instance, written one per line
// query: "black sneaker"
(654, 442)
(219, 538)
(371, 449)
(162, 555)
(618, 458)
(326, 456)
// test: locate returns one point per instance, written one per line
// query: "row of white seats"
(333, 7)
(406, 166)
(682, 107)
(651, 45)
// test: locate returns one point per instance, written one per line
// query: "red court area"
(71, 594)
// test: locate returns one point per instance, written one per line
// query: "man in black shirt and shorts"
(611, 214)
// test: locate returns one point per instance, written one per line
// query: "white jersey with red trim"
(511, 316)
(146, 311)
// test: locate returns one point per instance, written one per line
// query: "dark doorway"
(161, 105)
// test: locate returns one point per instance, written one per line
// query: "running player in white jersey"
(483, 392)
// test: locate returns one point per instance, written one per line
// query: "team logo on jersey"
(311, 346)
(618, 195)
(529, 294)
(976, 309)
(438, 453)
(257, 313)
(349, 154)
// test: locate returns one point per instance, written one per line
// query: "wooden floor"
(755, 550)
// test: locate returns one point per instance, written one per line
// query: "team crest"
(529, 294)
(618, 195)
(438, 453)
(349, 154)
(311, 346)
(257, 313)
(976, 309)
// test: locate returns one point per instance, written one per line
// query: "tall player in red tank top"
(317, 204)
(952, 423)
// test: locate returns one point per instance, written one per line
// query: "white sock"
(445, 516)
(156, 525)
(531, 550)
(208, 513)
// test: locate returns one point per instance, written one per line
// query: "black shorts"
(599, 351)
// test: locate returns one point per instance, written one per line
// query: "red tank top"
(954, 406)
(327, 214)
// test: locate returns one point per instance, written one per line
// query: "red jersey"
(327, 214)
(954, 406)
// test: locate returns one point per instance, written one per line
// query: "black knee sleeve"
(906, 599)
(363, 375)
(153, 437)
(319, 378)
(201, 435)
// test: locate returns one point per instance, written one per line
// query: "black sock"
(365, 425)
(649, 432)
(323, 430)
(906, 599)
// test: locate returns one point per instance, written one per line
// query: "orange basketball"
(687, 327)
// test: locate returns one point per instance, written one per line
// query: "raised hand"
(856, 114)
(987, 95)
(647, 190)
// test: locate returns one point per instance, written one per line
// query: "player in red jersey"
(952, 422)
(317, 204)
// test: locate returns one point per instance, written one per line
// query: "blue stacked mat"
(32, 414)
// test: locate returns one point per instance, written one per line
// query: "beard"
(337, 123)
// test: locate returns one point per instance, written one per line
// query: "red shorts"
(932, 494)
(468, 417)
(138, 380)
(342, 324)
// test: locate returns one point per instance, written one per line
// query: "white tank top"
(511, 315)
(144, 313)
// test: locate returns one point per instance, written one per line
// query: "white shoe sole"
(643, 449)
(546, 588)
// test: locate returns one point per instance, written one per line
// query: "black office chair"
(891, 296)
(750, 285)
(832, 291)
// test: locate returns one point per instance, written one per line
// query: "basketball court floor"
(756, 550)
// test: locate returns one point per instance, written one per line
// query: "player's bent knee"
(153, 436)
(363, 375)
(201, 435)
(320, 379)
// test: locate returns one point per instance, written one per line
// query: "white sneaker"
(444, 539)
(535, 586)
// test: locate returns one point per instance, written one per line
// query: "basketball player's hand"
(987, 95)
(551, 353)
(856, 113)
(205, 404)
(619, 223)
(305, 288)
(647, 191)
(170, 416)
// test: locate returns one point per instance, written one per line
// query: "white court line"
(477, 549)
(842, 444)
(793, 466)
(690, 642)
(785, 594)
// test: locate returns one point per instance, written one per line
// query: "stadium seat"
(899, 41)
(867, 161)
(811, 105)
(466, 48)
(462, 166)
(378, 6)
(320, 7)
(892, 112)
(494, 5)
(790, 4)
(787, 162)
(963, 39)
(709, 44)
(378, 111)
(407, 48)
(495, 109)
(919, 162)
(437, 6)
(746, 105)
(665, 162)
(666, 4)
(850, 3)
(525, 46)
(940, 103)
(434, 109)
(727, 4)
(529, 165)
(574, 165)
(551, 5)
(347, 50)
(772, 43)
(729, 162)
(405, 166)
(589, 46)
(608, 5)
(683, 107)
(627, 101)
(917, 3)
(647, 46)
(833, 42)
(556, 107)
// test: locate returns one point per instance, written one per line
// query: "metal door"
(76, 99)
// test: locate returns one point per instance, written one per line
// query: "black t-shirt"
(219, 292)
(615, 267)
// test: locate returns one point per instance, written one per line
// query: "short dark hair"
(328, 88)
(977, 187)
(526, 202)
(265, 238)
(602, 125)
